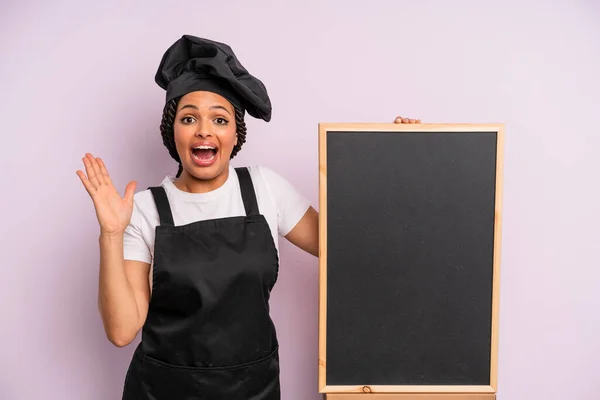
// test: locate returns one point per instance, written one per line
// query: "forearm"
(116, 300)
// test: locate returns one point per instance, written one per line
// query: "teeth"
(206, 159)
(204, 148)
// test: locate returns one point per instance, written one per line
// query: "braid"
(240, 126)
(168, 133)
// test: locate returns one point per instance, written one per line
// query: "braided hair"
(168, 133)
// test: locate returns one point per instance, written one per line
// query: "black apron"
(208, 333)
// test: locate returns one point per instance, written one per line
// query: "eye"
(221, 121)
(187, 120)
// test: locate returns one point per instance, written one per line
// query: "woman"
(192, 262)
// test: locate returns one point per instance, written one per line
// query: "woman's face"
(205, 134)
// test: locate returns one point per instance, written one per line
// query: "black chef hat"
(193, 63)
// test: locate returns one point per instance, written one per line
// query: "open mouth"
(204, 154)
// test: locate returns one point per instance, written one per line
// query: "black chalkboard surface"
(410, 241)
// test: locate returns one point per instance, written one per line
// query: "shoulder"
(266, 175)
(143, 200)
(288, 203)
(144, 197)
(144, 206)
(278, 187)
(272, 183)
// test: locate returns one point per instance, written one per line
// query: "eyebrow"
(212, 108)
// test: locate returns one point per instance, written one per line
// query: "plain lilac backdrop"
(78, 76)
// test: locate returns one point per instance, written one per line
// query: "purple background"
(78, 76)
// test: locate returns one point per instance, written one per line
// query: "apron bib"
(208, 333)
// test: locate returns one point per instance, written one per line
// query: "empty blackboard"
(409, 263)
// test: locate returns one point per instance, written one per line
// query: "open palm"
(112, 210)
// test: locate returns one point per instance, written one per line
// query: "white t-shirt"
(278, 201)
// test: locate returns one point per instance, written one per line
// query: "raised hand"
(112, 210)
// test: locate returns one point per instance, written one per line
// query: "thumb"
(130, 191)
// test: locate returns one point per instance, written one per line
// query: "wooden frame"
(410, 396)
(407, 392)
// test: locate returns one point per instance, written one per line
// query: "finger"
(398, 120)
(96, 167)
(130, 191)
(91, 174)
(405, 120)
(101, 176)
(104, 172)
(86, 183)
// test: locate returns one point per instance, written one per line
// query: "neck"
(189, 183)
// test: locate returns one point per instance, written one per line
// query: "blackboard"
(410, 241)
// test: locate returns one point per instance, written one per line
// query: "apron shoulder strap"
(162, 205)
(247, 188)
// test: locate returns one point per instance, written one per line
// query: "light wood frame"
(409, 396)
(486, 392)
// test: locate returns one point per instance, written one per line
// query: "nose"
(204, 129)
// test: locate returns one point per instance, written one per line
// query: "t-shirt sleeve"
(291, 205)
(134, 245)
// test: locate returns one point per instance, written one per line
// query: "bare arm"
(123, 292)
(305, 234)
